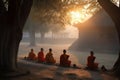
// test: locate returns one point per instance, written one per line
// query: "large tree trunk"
(114, 12)
(10, 39)
(116, 66)
(11, 32)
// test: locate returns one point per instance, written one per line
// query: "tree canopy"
(56, 11)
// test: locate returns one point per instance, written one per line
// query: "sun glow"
(75, 17)
(78, 16)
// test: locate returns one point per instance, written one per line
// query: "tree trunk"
(42, 35)
(114, 12)
(9, 48)
(42, 38)
(116, 66)
(11, 32)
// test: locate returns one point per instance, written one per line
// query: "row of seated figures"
(64, 58)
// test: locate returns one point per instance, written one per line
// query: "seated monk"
(49, 57)
(90, 61)
(64, 60)
(32, 55)
(41, 56)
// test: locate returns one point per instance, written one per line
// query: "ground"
(37, 71)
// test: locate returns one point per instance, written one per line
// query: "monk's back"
(49, 58)
(64, 59)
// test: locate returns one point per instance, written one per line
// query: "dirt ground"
(36, 71)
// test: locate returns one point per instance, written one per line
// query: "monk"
(49, 57)
(41, 56)
(32, 55)
(64, 60)
(91, 61)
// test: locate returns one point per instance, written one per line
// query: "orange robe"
(90, 62)
(64, 60)
(41, 57)
(49, 58)
(32, 56)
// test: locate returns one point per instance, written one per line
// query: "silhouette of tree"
(114, 12)
(13, 15)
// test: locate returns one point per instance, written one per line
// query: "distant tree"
(43, 13)
(56, 28)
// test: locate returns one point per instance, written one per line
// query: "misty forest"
(78, 26)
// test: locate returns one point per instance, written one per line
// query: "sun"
(75, 16)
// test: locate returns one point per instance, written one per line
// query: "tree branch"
(107, 5)
(114, 13)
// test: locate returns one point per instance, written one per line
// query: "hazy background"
(49, 26)
(64, 40)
